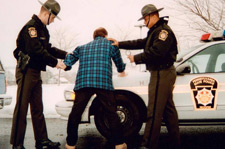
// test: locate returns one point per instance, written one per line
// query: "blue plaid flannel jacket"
(95, 64)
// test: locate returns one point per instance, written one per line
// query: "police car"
(4, 98)
(199, 93)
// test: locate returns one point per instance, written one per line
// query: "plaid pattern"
(95, 64)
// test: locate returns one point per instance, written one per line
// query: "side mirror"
(183, 68)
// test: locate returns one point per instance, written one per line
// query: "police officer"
(160, 50)
(33, 41)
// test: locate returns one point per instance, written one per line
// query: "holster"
(23, 61)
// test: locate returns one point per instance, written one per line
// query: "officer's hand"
(115, 42)
(131, 58)
(61, 65)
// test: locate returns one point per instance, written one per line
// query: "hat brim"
(47, 9)
(150, 13)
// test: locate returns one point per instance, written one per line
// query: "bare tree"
(64, 39)
(204, 15)
(192, 18)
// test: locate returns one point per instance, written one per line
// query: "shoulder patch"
(32, 32)
(163, 35)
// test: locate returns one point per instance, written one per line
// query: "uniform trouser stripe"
(154, 108)
(19, 106)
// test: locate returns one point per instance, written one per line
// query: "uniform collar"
(38, 21)
(160, 22)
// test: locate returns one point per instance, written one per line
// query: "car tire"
(129, 113)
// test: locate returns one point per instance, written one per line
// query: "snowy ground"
(51, 95)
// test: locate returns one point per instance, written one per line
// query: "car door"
(200, 94)
(2, 80)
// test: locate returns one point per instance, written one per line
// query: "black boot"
(18, 147)
(47, 144)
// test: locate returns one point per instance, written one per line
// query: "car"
(4, 98)
(199, 92)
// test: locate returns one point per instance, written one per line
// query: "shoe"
(47, 144)
(18, 147)
(69, 147)
(121, 146)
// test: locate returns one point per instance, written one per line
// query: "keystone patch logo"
(204, 93)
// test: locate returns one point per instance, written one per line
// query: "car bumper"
(5, 100)
(63, 108)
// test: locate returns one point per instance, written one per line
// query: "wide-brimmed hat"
(148, 9)
(52, 6)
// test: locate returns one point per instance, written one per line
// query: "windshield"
(186, 51)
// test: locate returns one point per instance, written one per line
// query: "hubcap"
(122, 112)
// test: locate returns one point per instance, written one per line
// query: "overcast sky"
(80, 18)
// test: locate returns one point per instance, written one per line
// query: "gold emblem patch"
(204, 96)
(32, 32)
(163, 35)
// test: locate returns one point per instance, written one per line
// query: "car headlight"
(69, 95)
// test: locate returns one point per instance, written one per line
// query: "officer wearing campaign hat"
(148, 9)
(33, 43)
(160, 50)
(53, 7)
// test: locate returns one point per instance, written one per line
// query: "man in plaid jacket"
(95, 77)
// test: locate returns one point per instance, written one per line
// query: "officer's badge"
(32, 32)
(204, 93)
(163, 35)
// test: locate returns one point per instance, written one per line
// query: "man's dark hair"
(100, 32)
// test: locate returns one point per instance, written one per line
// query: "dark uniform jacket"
(33, 40)
(160, 47)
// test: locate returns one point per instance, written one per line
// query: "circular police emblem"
(32, 32)
(163, 35)
(204, 96)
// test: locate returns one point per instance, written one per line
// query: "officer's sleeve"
(117, 59)
(162, 42)
(35, 48)
(56, 52)
(133, 44)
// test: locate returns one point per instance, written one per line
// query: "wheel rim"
(128, 114)
(122, 112)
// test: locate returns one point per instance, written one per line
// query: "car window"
(186, 51)
(209, 60)
(198, 63)
(220, 64)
